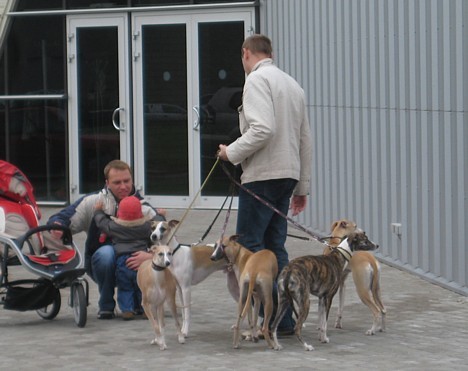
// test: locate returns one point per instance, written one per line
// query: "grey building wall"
(387, 88)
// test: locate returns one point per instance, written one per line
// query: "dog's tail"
(289, 287)
(248, 301)
(376, 286)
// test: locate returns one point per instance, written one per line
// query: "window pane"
(35, 54)
(165, 107)
(33, 137)
(28, 5)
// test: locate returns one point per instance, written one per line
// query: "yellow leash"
(191, 204)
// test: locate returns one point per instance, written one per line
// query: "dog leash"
(217, 214)
(266, 203)
(194, 198)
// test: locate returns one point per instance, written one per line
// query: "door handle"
(196, 123)
(114, 116)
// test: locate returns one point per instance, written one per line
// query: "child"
(130, 232)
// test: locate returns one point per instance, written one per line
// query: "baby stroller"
(56, 262)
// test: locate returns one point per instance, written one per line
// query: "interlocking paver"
(426, 327)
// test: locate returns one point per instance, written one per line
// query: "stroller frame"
(60, 274)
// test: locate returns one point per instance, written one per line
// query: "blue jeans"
(103, 273)
(128, 292)
(260, 227)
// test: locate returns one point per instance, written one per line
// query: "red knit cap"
(129, 209)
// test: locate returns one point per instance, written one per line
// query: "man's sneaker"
(128, 316)
(106, 314)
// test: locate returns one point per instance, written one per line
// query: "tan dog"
(157, 284)
(366, 275)
(256, 273)
(190, 265)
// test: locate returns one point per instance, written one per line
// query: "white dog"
(191, 264)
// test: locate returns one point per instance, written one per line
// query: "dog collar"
(177, 248)
(346, 254)
(157, 267)
(343, 249)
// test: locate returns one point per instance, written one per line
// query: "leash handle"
(266, 203)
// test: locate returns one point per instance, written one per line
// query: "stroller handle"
(66, 237)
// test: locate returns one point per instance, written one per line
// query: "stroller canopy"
(15, 186)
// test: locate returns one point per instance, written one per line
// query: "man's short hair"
(116, 164)
(258, 44)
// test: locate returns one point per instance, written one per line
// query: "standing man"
(275, 152)
(100, 261)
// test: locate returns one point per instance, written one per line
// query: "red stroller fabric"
(15, 186)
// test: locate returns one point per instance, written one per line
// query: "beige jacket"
(276, 140)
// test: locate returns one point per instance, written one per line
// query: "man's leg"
(253, 218)
(278, 193)
(103, 273)
(261, 227)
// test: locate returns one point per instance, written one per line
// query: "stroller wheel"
(79, 303)
(51, 311)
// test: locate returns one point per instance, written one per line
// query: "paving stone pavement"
(427, 327)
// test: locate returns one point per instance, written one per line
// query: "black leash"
(217, 214)
(292, 221)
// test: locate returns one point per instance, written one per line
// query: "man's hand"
(135, 260)
(99, 205)
(298, 204)
(56, 233)
(222, 154)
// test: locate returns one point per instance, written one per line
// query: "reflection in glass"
(98, 98)
(221, 81)
(165, 109)
(34, 135)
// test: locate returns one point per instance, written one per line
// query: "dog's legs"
(341, 299)
(151, 313)
(254, 321)
(303, 304)
(267, 291)
(378, 300)
(186, 299)
(173, 308)
(160, 340)
(364, 287)
(240, 308)
(322, 309)
(280, 312)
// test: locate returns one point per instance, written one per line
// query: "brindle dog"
(320, 276)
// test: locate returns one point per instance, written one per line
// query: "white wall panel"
(386, 84)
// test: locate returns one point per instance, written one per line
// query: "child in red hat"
(130, 232)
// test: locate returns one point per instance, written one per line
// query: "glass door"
(188, 80)
(98, 98)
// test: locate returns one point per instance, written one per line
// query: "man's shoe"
(140, 314)
(285, 332)
(106, 314)
(128, 316)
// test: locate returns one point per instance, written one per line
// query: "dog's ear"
(234, 237)
(153, 248)
(344, 224)
(334, 225)
(173, 223)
